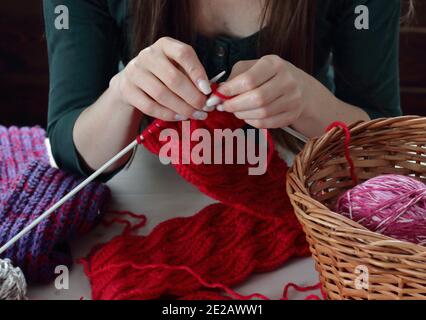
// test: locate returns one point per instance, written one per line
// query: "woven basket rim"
(345, 224)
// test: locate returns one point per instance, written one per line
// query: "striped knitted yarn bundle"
(252, 229)
(29, 186)
(18, 147)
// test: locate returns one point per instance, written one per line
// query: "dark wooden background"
(413, 63)
(23, 63)
(24, 73)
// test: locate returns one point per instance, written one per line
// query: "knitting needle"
(295, 134)
(78, 188)
(218, 77)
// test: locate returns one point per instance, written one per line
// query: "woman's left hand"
(267, 93)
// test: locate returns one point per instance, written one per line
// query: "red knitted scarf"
(252, 229)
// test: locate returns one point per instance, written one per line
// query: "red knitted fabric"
(252, 229)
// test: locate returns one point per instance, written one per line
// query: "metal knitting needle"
(78, 188)
(218, 77)
(295, 134)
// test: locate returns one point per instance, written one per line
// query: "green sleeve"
(82, 60)
(366, 62)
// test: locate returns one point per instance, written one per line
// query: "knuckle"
(173, 78)
(298, 95)
(263, 113)
(256, 123)
(144, 55)
(184, 52)
(197, 100)
(226, 90)
(275, 61)
(163, 40)
(248, 82)
(293, 88)
(291, 117)
(159, 92)
(195, 72)
(238, 116)
(269, 58)
(164, 115)
(231, 107)
(149, 107)
(141, 55)
(258, 99)
(131, 69)
(239, 65)
(186, 111)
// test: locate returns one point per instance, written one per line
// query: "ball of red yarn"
(392, 205)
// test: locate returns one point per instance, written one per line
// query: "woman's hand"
(165, 81)
(267, 93)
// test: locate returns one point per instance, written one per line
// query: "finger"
(257, 75)
(254, 99)
(138, 99)
(280, 105)
(241, 67)
(187, 58)
(278, 121)
(161, 94)
(176, 81)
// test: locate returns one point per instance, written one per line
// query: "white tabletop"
(157, 191)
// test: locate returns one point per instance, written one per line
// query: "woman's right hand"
(165, 81)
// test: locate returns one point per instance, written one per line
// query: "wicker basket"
(347, 254)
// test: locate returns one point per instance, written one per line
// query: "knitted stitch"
(252, 230)
(29, 186)
(18, 147)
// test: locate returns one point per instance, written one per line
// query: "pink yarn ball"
(392, 205)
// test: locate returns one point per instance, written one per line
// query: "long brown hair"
(288, 32)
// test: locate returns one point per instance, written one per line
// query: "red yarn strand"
(215, 91)
(204, 283)
(347, 142)
(298, 288)
(129, 227)
(226, 289)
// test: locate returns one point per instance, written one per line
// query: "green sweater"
(85, 57)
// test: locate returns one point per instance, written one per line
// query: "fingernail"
(220, 108)
(213, 101)
(180, 117)
(208, 109)
(199, 115)
(204, 87)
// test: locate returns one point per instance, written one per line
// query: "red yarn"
(252, 230)
(231, 293)
(347, 143)
(129, 226)
(304, 289)
(215, 87)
